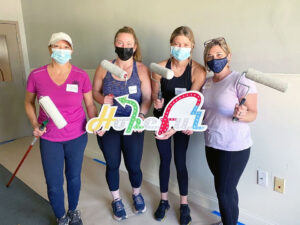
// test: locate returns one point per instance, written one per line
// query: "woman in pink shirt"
(67, 86)
(227, 141)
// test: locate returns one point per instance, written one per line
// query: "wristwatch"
(142, 114)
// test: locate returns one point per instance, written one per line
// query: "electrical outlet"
(262, 178)
(279, 184)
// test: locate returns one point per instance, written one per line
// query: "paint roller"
(163, 72)
(262, 78)
(267, 80)
(50, 109)
(52, 112)
(114, 69)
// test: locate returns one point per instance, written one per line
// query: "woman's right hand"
(109, 99)
(37, 132)
(159, 103)
(166, 135)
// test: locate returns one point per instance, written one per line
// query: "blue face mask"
(217, 65)
(61, 56)
(180, 53)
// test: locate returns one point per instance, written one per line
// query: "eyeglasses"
(216, 41)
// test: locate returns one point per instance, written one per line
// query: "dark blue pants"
(112, 143)
(227, 168)
(181, 142)
(54, 156)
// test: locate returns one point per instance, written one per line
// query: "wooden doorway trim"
(19, 46)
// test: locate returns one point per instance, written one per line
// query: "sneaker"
(185, 218)
(118, 210)
(161, 210)
(218, 223)
(139, 204)
(75, 218)
(63, 220)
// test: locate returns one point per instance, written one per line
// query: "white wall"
(12, 11)
(263, 34)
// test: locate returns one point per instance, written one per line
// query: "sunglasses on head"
(219, 40)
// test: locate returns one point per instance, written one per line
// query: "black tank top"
(168, 87)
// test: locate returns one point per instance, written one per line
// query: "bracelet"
(142, 114)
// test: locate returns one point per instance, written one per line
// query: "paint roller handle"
(39, 130)
(159, 95)
(242, 102)
(159, 103)
(44, 124)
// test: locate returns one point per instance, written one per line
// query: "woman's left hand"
(166, 135)
(188, 132)
(240, 111)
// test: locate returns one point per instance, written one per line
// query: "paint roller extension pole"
(27, 152)
(242, 102)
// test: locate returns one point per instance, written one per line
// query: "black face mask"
(124, 53)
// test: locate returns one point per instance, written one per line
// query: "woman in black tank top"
(189, 75)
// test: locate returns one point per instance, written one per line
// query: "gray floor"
(95, 199)
(21, 205)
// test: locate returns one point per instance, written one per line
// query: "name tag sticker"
(132, 89)
(179, 91)
(72, 88)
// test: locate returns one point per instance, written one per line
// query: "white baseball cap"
(60, 36)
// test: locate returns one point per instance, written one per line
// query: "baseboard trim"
(208, 202)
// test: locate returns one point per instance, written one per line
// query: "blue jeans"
(54, 156)
(112, 143)
(181, 142)
(227, 168)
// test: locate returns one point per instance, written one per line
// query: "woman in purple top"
(112, 143)
(67, 86)
(227, 141)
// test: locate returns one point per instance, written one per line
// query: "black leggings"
(111, 144)
(181, 142)
(227, 168)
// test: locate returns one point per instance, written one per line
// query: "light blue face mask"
(180, 53)
(61, 56)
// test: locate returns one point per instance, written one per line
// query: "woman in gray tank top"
(138, 86)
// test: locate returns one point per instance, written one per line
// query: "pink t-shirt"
(219, 103)
(68, 99)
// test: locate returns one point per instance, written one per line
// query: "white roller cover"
(48, 106)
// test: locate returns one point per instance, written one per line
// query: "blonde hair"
(211, 43)
(137, 55)
(183, 31)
